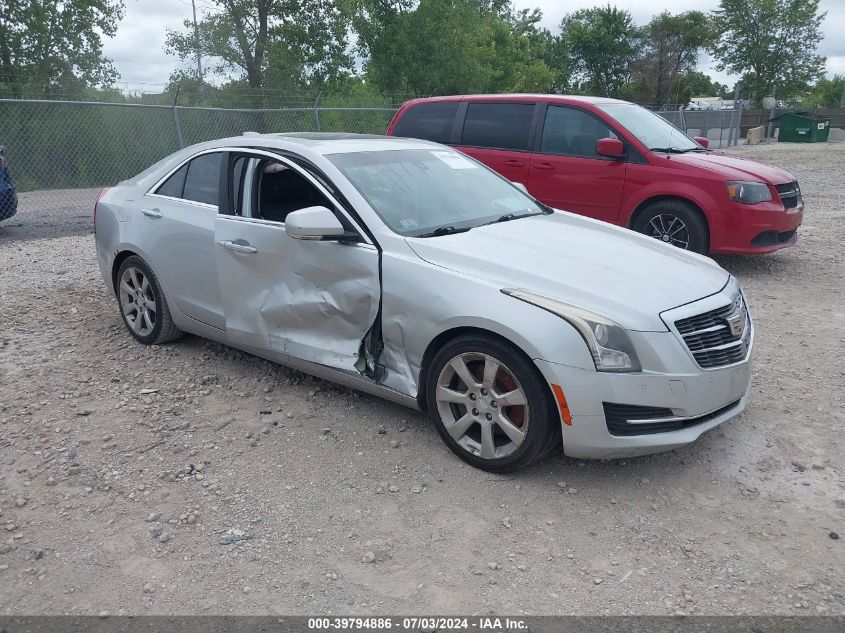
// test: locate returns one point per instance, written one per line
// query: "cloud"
(137, 49)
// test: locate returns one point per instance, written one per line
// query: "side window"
(428, 121)
(175, 185)
(202, 181)
(498, 125)
(572, 132)
(279, 190)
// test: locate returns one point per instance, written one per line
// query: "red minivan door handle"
(514, 163)
(544, 166)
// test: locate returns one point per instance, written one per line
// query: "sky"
(137, 49)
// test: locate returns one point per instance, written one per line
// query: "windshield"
(651, 129)
(422, 191)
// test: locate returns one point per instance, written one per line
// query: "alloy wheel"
(482, 405)
(670, 229)
(137, 301)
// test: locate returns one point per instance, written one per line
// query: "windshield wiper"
(445, 230)
(669, 150)
(511, 216)
(677, 150)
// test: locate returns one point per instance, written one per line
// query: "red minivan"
(618, 162)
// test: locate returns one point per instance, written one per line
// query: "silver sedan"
(407, 270)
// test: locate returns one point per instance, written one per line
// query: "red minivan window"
(498, 125)
(430, 121)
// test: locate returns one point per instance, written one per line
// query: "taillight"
(96, 202)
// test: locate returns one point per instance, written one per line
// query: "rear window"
(428, 121)
(174, 185)
(498, 125)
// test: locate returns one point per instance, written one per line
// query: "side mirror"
(610, 147)
(704, 142)
(519, 185)
(313, 223)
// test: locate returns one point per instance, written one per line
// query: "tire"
(675, 222)
(139, 296)
(462, 414)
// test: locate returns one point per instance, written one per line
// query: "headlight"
(608, 342)
(748, 192)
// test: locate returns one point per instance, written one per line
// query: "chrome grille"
(711, 338)
(790, 194)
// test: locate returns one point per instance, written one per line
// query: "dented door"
(314, 300)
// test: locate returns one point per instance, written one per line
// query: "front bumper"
(692, 399)
(687, 395)
(762, 228)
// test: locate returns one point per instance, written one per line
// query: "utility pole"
(197, 41)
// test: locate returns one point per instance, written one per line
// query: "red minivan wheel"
(676, 223)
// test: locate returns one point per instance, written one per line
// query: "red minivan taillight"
(96, 202)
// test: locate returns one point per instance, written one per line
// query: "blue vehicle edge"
(8, 195)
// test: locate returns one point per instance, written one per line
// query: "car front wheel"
(142, 304)
(674, 222)
(490, 404)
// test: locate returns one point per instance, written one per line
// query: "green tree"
(281, 44)
(701, 85)
(671, 44)
(521, 50)
(827, 93)
(48, 47)
(451, 46)
(771, 43)
(435, 47)
(601, 44)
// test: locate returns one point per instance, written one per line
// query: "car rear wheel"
(674, 222)
(490, 404)
(142, 304)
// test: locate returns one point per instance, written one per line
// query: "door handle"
(238, 248)
(514, 163)
(544, 166)
(152, 213)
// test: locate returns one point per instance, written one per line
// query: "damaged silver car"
(407, 270)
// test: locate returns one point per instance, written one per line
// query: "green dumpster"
(802, 127)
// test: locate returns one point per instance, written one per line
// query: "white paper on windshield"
(454, 160)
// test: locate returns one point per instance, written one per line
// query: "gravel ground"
(125, 471)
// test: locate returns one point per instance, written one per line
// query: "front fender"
(691, 192)
(422, 301)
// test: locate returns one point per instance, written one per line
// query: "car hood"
(616, 273)
(733, 168)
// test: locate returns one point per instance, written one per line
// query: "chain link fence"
(61, 153)
(719, 127)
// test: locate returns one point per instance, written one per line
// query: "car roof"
(324, 143)
(521, 97)
(309, 145)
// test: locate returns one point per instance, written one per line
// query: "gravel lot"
(122, 466)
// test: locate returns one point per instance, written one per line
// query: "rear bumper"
(8, 202)
(763, 228)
